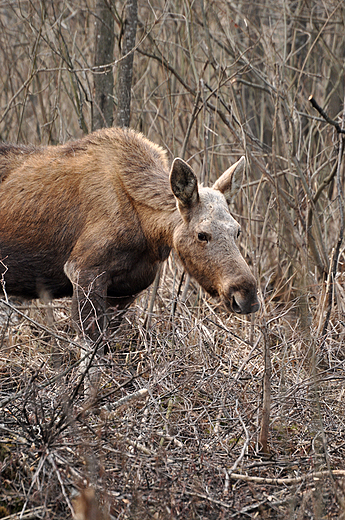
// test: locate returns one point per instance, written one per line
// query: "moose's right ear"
(184, 183)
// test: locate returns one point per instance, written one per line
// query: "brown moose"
(94, 219)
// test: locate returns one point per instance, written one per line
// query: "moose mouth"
(247, 305)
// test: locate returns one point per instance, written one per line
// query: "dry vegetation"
(212, 81)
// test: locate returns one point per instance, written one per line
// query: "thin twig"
(340, 198)
(287, 481)
(325, 116)
(266, 406)
(246, 442)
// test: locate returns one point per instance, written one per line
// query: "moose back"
(94, 218)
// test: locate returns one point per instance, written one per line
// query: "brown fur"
(95, 218)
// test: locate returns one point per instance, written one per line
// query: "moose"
(94, 218)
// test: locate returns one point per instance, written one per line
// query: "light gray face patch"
(214, 215)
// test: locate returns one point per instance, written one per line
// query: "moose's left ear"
(231, 180)
(184, 183)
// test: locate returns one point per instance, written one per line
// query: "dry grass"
(212, 81)
(184, 448)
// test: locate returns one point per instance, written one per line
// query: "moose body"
(94, 218)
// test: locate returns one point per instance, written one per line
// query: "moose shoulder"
(94, 218)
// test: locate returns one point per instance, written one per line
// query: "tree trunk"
(124, 80)
(103, 107)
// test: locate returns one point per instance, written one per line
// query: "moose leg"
(116, 308)
(89, 318)
(89, 308)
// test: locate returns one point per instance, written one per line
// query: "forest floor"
(173, 429)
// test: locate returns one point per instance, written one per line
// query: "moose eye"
(202, 237)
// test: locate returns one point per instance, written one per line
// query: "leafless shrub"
(211, 81)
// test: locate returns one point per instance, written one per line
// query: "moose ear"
(183, 183)
(231, 180)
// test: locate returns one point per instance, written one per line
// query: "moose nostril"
(235, 306)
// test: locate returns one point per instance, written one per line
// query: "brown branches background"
(181, 401)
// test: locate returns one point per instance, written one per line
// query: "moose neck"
(142, 179)
(158, 224)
